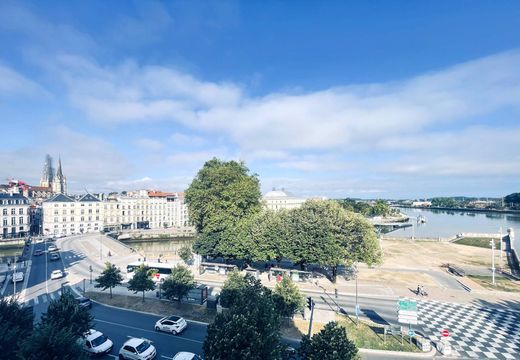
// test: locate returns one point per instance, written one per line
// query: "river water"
(447, 223)
(164, 248)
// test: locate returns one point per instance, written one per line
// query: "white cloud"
(187, 140)
(150, 144)
(13, 83)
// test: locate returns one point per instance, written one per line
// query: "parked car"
(172, 324)
(56, 274)
(137, 349)
(55, 256)
(184, 355)
(17, 277)
(38, 253)
(94, 343)
(84, 302)
(52, 248)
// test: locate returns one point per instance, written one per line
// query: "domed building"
(281, 199)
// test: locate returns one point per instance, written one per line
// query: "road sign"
(445, 333)
(357, 310)
(407, 311)
(411, 333)
(407, 304)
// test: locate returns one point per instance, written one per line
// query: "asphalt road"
(119, 325)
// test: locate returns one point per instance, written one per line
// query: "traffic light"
(310, 303)
(90, 268)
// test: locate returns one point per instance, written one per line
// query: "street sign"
(357, 310)
(445, 333)
(407, 311)
(411, 333)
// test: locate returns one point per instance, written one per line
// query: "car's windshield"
(143, 346)
(99, 340)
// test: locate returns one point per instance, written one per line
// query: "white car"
(52, 248)
(94, 342)
(17, 277)
(56, 274)
(184, 355)
(172, 324)
(137, 349)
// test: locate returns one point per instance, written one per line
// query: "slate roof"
(88, 198)
(60, 198)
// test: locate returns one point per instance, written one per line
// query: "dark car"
(55, 256)
(38, 253)
(84, 302)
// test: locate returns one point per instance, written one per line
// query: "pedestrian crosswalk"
(43, 298)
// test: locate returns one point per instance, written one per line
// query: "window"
(82, 219)
(20, 211)
(82, 211)
(72, 219)
(13, 211)
(13, 221)
(64, 219)
(55, 219)
(5, 212)
(90, 211)
(55, 212)
(5, 222)
(20, 220)
(72, 212)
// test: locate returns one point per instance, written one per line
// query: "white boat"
(421, 219)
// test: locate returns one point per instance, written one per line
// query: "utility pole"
(357, 306)
(501, 246)
(310, 305)
(14, 277)
(492, 243)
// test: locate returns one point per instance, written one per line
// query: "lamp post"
(492, 243)
(14, 277)
(357, 305)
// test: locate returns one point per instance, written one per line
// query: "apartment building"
(145, 209)
(14, 216)
(69, 215)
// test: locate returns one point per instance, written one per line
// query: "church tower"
(59, 183)
(47, 173)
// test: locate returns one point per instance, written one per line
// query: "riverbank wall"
(512, 212)
(443, 239)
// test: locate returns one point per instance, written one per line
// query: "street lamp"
(492, 243)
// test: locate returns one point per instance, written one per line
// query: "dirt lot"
(425, 254)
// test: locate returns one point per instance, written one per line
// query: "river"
(154, 248)
(447, 223)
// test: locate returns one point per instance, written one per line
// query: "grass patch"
(502, 283)
(476, 241)
(155, 306)
(365, 335)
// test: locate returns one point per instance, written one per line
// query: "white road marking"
(146, 330)
(36, 300)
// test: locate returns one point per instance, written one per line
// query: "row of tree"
(224, 205)
(175, 287)
(250, 326)
(53, 337)
(378, 208)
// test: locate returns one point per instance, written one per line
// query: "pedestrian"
(269, 275)
(418, 289)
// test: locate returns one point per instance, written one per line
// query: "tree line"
(224, 205)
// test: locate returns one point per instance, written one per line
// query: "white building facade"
(281, 199)
(67, 215)
(145, 210)
(14, 216)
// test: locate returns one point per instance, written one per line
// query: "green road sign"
(406, 304)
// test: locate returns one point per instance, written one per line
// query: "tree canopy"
(16, 324)
(219, 196)
(109, 278)
(248, 330)
(178, 284)
(288, 298)
(65, 312)
(186, 254)
(142, 280)
(331, 343)
(512, 200)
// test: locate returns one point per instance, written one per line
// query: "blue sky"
(372, 99)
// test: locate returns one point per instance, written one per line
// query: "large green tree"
(51, 342)
(219, 196)
(324, 233)
(16, 324)
(178, 284)
(288, 297)
(331, 343)
(142, 280)
(65, 312)
(236, 284)
(248, 330)
(109, 278)
(512, 201)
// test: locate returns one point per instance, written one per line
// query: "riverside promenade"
(93, 250)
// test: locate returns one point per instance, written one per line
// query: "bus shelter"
(216, 268)
(295, 275)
